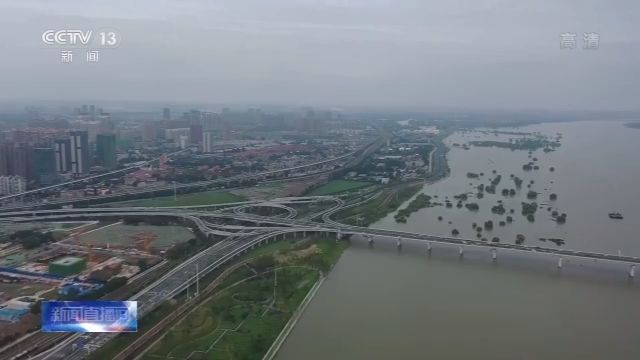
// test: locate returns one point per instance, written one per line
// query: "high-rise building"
(79, 152)
(63, 155)
(149, 130)
(208, 141)
(166, 114)
(10, 185)
(106, 151)
(174, 134)
(4, 159)
(45, 166)
(183, 141)
(21, 161)
(193, 117)
(210, 121)
(195, 133)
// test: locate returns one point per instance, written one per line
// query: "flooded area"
(595, 173)
(381, 303)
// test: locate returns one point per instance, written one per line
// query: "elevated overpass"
(299, 225)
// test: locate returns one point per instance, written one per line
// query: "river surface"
(597, 168)
(380, 303)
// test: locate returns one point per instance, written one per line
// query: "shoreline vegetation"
(420, 202)
(387, 202)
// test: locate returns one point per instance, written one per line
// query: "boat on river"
(616, 215)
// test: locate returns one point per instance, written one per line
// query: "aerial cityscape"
(304, 182)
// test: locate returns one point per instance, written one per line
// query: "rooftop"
(68, 260)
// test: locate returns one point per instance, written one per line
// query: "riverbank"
(258, 303)
(277, 344)
(391, 197)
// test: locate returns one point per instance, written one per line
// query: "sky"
(416, 54)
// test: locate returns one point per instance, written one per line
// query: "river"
(379, 303)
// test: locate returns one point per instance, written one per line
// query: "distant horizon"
(126, 105)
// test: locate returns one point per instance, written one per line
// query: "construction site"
(87, 261)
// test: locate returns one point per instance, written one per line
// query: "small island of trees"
(472, 206)
(498, 209)
(529, 208)
(488, 225)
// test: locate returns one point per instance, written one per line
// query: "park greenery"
(31, 239)
(242, 320)
(338, 186)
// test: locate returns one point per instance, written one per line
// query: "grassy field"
(8, 291)
(202, 198)
(121, 234)
(338, 186)
(240, 323)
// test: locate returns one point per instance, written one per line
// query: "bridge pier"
(632, 271)
(560, 262)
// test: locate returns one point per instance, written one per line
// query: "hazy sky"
(414, 53)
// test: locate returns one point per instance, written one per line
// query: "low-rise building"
(67, 266)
